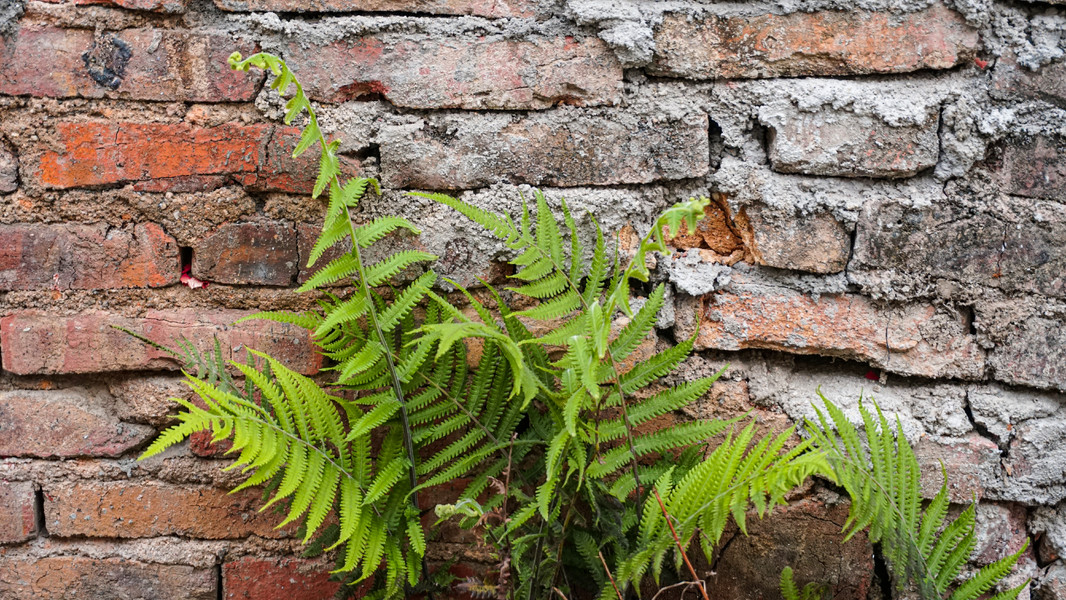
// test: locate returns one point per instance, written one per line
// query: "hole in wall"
(185, 254)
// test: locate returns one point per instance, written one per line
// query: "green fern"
(811, 591)
(879, 470)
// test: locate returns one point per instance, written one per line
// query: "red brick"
(280, 172)
(479, 8)
(464, 72)
(564, 147)
(787, 239)
(912, 340)
(106, 153)
(81, 578)
(160, 157)
(252, 578)
(1036, 168)
(17, 515)
(261, 253)
(139, 64)
(165, 6)
(35, 342)
(64, 423)
(307, 234)
(1009, 79)
(129, 509)
(67, 256)
(970, 463)
(812, 44)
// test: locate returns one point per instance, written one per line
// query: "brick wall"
(889, 180)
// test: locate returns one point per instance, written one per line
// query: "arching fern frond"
(880, 472)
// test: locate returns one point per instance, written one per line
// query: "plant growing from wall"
(548, 432)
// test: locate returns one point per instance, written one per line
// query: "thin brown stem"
(692, 571)
(611, 577)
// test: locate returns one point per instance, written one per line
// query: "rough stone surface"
(806, 536)
(64, 423)
(1051, 522)
(277, 579)
(81, 578)
(480, 8)
(1036, 168)
(141, 64)
(1013, 245)
(61, 257)
(1033, 354)
(35, 342)
(820, 43)
(127, 509)
(1011, 80)
(783, 239)
(1052, 586)
(9, 170)
(259, 253)
(461, 72)
(918, 339)
(17, 514)
(849, 145)
(566, 147)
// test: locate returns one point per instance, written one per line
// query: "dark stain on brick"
(106, 61)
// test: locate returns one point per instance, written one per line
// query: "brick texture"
(253, 578)
(35, 342)
(970, 462)
(64, 423)
(68, 256)
(262, 253)
(159, 157)
(843, 144)
(161, 6)
(818, 43)
(783, 239)
(466, 73)
(565, 147)
(17, 515)
(1033, 354)
(479, 8)
(1009, 79)
(129, 509)
(913, 340)
(1036, 168)
(82, 578)
(141, 64)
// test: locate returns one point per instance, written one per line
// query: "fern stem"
(610, 576)
(692, 571)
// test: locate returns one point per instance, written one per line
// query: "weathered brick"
(81, 578)
(253, 578)
(805, 535)
(36, 342)
(261, 253)
(280, 172)
(817, 43)
(1034, 354)
(1000, 531)
(9, 170)
(716, 232)
(984, 244)
(847, 144)
(147, 399)
(461, 72)
(1009, 79)
(479, 8)
(17, 514)
(306, 236)
(1052, 586)
(161, 157)
(162, 6)
(68, 256)
(971, 464)
(565, 147)
(140, 64)
(127, 509)
(64, 423)
(785, 239)
(917, 339)
(1036, 168)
